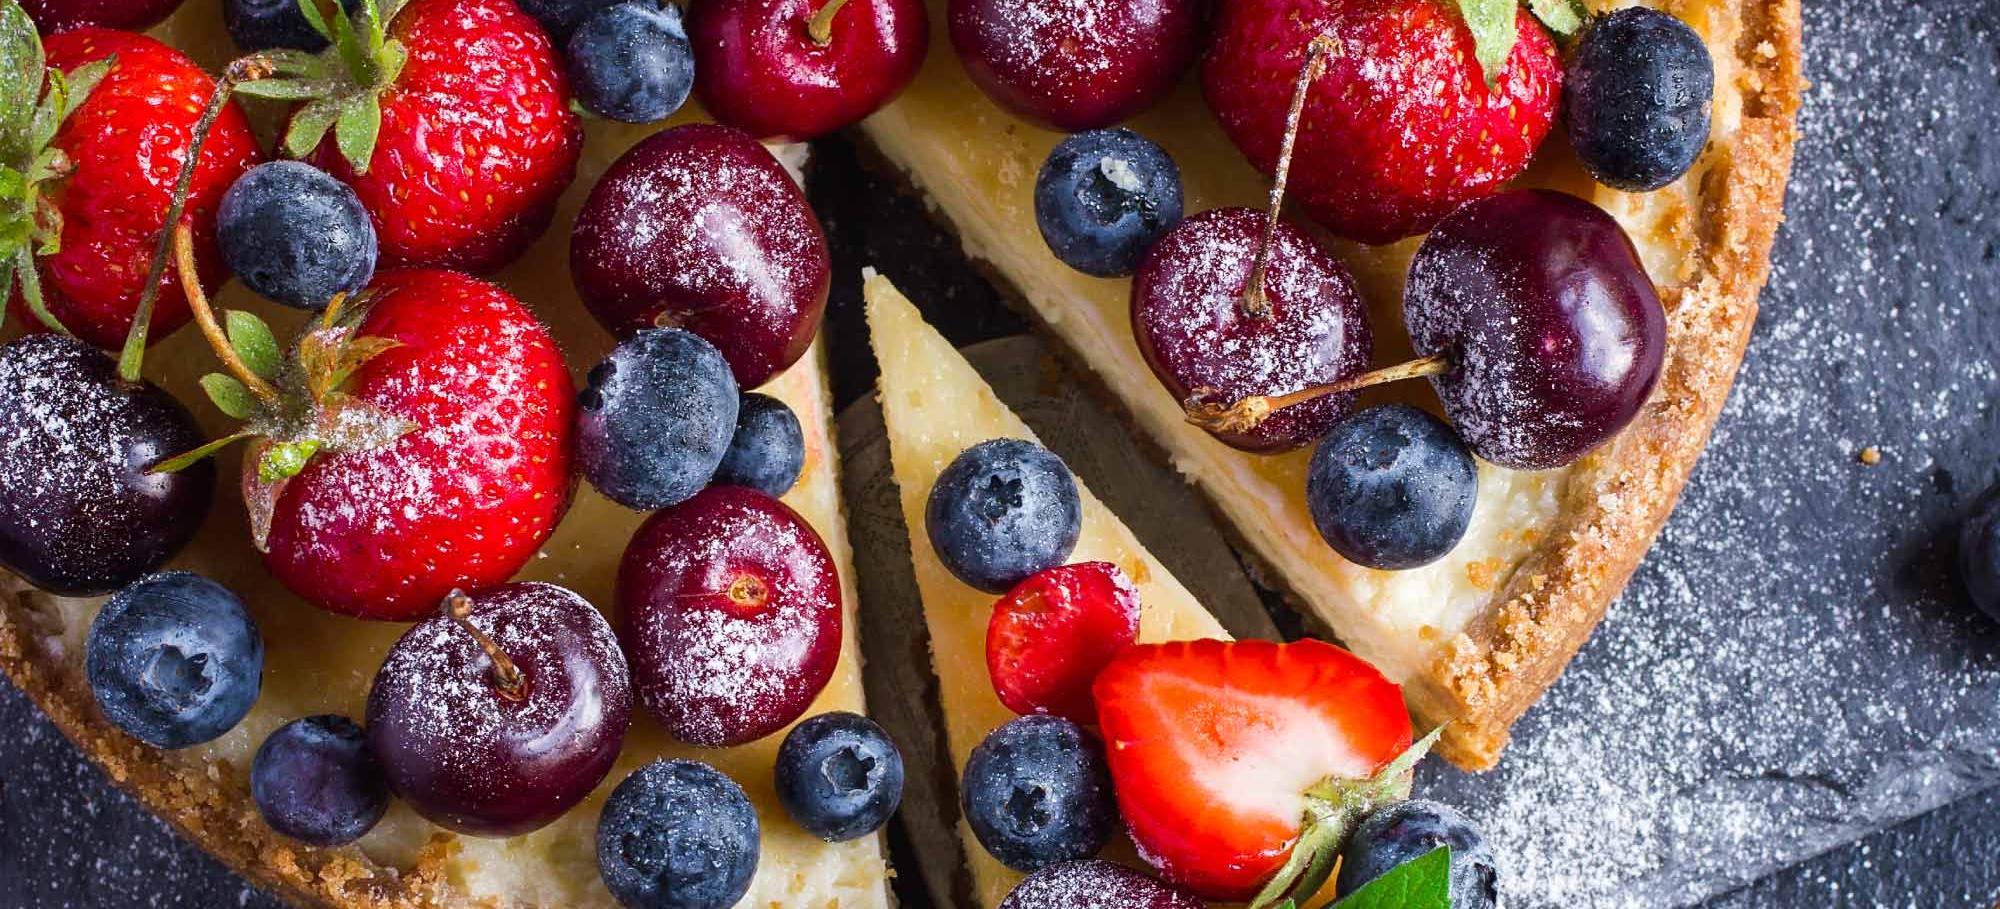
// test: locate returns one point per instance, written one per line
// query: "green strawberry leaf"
(1423, 882)
(282, 89)
(6, 287)
(31, 290)
(310, 126)
(284, 460)
(21, 66)
(254, 343)
(1564, 17)
(310, 9)
(83, 80)
(229, 395)
(188, 459)
(1493, 33)
(357, 129)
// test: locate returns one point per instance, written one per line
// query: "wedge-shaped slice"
(1474, 638)
(934, 405)
(321, 663)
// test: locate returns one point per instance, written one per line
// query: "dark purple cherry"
(1550, 332)
(1074, 65)
(731, 615)
(699, 227)
(1211, 344)
(80, 513)
(500, 714)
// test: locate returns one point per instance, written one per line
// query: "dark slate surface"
(1791, 670)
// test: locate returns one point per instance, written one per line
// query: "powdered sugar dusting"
(1794, 665)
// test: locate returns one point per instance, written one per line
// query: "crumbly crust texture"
(1618, 499)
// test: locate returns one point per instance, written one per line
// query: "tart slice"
(319, 663)
(1476, 637)
(934, 406)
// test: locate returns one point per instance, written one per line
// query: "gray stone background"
(1791, 706)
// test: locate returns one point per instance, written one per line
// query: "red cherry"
(499, 715)
(1208, 344)
(53, 16)
(799, 69)
(732, 618)
(1051, 634)
(1074, 64)
(698, 227)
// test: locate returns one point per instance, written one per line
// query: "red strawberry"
(1053, 632)
(106, 194)
(469, 492)
(473, 141)
(1242, 765)
(53, 16)
(1401, 125)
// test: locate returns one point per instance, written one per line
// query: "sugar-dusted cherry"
(501, 713)
(1074, 65)
(699, 227)
(1552, 334)
(799, 69)
(731, 615)
(1209, 338)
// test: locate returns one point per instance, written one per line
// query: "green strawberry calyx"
(339, 90)
(35, 100)
(1333, 807)
(293, 404)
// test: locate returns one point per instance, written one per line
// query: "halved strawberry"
(1053, 632)
(1241, 767)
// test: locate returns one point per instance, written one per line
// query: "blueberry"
(632, 62)
(1636, 98)
(1979, 554)
(1037, 792)
(1003, 510)
(561, 17)
(1412, 829)
(769, 449)
(839, 776)
(677, 835)
(296, 235)
(174, 660)
(655, 419)
(259, 25)
(315, 781)
(1103, 197)
(1392, 487)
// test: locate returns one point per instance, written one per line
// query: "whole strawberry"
(416, 440)
(1408, 116)
(452, 125)
(132, 15)
(81, 217)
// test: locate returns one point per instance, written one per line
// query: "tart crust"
(1613, 503)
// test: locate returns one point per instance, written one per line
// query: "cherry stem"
(820, 27)
(1251, 412)
(513, 685)
(247, 69)
(204, 316)
(1254, 301)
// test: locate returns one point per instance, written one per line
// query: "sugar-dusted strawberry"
(132, 15)
(81, 207)
(1242, 766)
(1053, 632)
(417, 442)
(453, 126)
(1406, 119)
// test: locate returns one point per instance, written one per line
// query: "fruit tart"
(1560, 215)
(369, 639)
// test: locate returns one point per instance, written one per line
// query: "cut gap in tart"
(934, 406)
(319, 663)
(1476, 637)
